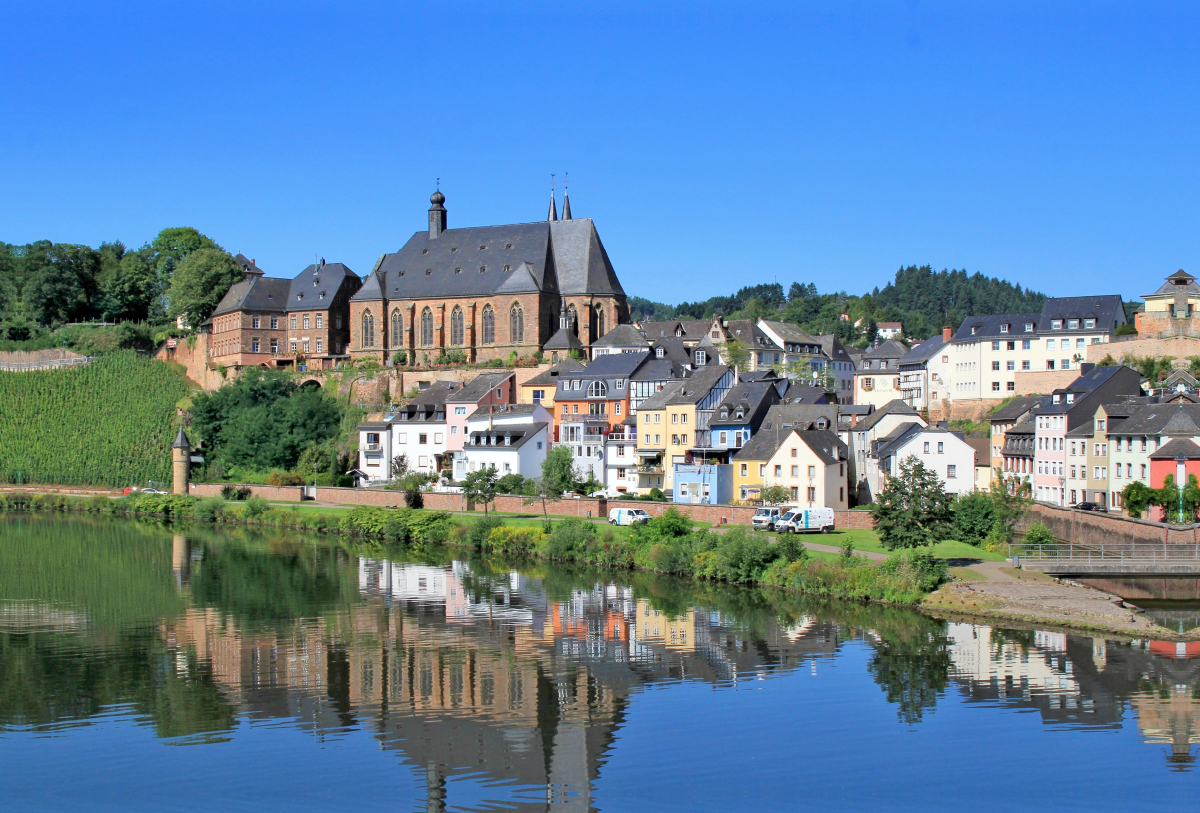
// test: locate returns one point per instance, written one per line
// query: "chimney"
(947, 334)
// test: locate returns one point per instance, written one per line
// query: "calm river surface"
(145, 668)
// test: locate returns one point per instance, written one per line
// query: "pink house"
(1050, 458)
(484, 389)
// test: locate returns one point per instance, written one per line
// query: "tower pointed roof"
(566, 206)
(553, 213)
(181, 440)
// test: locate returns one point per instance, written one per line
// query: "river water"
(223, 669)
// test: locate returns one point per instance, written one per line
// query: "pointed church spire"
(553, 213)
(566, 198)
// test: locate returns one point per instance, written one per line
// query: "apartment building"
(988, 351)
(877, 379)
(940, 450)
(684, 414)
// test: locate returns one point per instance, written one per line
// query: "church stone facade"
(487, 291)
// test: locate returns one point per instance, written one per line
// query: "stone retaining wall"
(1097, 528)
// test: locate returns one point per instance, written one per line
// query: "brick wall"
(273, 493)
(1096, 528)
(1179, 347)
(1043, 382)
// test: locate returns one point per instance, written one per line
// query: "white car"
(627, 516)
(806, 520)
(767, 517)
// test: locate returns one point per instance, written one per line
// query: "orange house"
(598, 393)
(1179, 458)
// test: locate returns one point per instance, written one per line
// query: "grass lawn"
(869, 541)
(965, 574)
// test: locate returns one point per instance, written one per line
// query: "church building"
(487, 291)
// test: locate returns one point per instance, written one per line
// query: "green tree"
(558, 476)
(776, 495)
(1137, 497)
(480, 486)
(199, 282)
(736, 355)
(170, 247)
(59, 281)
(913, 510)
(128, 288)
(974, 517)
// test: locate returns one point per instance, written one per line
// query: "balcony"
(373, 447)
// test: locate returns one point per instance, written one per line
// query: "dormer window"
(1070, 397)
(1029, 327)
(1004, 328)
(973, 330)
(724, 414)
(424, 251)
(1056, 324)
(1072, 324)
(1089, 324)
(659, 352)
(428, 271)
(701, 357)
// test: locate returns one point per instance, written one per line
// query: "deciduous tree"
(913, 510)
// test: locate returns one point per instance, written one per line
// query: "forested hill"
(923, 299)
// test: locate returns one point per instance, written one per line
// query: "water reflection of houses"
(1084, 682)
(464, 672)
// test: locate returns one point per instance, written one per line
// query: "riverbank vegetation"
(109, 423)
(669, 544)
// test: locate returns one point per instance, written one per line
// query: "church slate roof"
(563, 339)
(622, 336)
(561, 257)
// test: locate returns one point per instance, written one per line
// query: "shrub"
(284, 478)
(791, 549)
(1039, 534)
(255, 507)
(235, 493)
(477, 532)
(507, 541)
(738, 555)
(209, 509)
(569, 541)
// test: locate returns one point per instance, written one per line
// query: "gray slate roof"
(923, 352)
(690, 330)
(256, 294)
(893, 407)
(564, 257)
(798, 416)
(520, 433)
(659, 399)
(825, 444)
(549, 378)
(315, 287)
(622, 336)
(1153, 419)
(478, 387)
(563, 339)
(698, 385)
(1107, 310)
(753, 397)
(1179, 447)
(988, 327)
(611, 365)
(1015, 408)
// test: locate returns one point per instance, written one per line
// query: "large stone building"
(268, 321)
(487, 291)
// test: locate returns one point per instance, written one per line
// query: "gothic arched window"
(573, 315)
(456, 326)
(427, 327)
(397, 328)
(599, 322)
(516, 324)
(489, 325)
(368, 329)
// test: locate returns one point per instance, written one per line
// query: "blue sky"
(1053, 144)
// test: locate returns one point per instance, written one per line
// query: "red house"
(1179, 458)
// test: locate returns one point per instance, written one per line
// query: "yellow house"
(540, 389)
(672, 425)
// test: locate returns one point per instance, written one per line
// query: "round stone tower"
(181, 459)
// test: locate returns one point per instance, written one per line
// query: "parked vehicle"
(131, 490)
(806, 520)
(1090, 506)
(152, 491)
(627, 516)
(767, 517)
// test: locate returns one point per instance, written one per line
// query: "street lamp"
(1062, 489)
(1181, 479)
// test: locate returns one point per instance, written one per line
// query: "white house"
(416, 430)
(864, 469)
(620, 459)
(944, 452)
(375, 451)
(512, 438)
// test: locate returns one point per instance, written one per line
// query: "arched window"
(397, 328)
(597, 389)
(599, 322)
(573, 315)
(516, 324)
(427, 327)
(456, 326)
(368, 329)
(489, 325)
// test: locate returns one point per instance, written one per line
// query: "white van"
(627, 516)
(768, 517)
(806, 520)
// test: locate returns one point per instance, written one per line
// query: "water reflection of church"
(462, 672)
(1084, 682)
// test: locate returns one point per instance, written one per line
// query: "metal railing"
(1124, 554)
